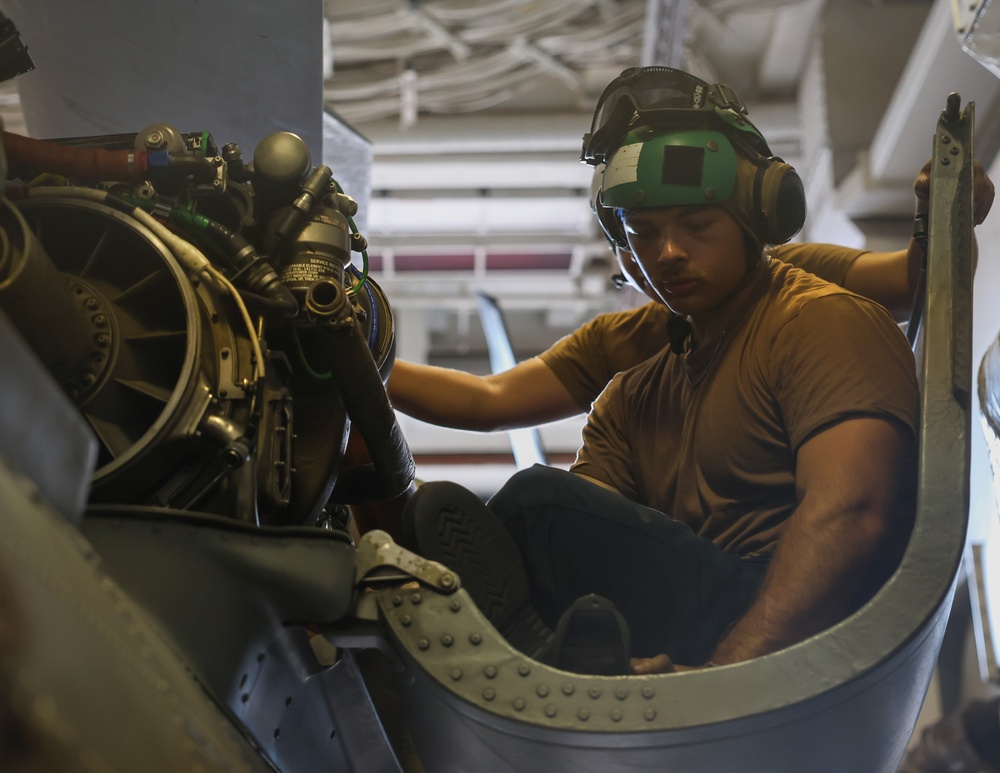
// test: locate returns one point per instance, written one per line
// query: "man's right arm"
(526, 395)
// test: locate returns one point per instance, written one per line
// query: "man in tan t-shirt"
(750, 485)
(566, 378)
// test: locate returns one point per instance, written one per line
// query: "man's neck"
(710, 325)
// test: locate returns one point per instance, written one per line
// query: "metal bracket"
(950, 239)
(380, 560)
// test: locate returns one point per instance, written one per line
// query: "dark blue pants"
(678, 592)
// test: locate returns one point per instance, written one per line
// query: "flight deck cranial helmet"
(668, 138)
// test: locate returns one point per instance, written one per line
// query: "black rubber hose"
(392, 469)
(254, 272)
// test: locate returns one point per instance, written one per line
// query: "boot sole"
(451, 525)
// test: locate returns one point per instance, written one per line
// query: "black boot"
(592, 638)
(449, 524)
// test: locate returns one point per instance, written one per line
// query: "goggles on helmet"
(663, 98)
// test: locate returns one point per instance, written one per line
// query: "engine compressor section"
(203, 314)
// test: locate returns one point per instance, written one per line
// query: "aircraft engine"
(204, 316)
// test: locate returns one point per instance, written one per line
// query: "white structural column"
(663, 38)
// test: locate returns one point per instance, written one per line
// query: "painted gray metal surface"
(87, 676)
(42, 436)
(235, 599)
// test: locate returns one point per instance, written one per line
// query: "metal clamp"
(380, 560)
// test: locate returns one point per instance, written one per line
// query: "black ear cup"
(779, 201)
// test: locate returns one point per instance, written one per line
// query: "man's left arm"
(888, 278)
(848, 479)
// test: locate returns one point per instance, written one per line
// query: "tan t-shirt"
(720, 455)
(588, 358)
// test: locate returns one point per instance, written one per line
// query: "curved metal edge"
(450, 640)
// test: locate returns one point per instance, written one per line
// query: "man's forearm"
(450, 398)
(811, 584)
(524, 396)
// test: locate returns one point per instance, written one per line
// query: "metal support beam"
(526, 443)
(663, 40)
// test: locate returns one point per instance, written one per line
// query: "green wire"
(364, 264)
(187, 216)
(194, 224)
(356, 288)
(305, 363)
